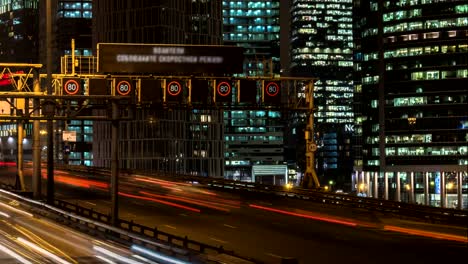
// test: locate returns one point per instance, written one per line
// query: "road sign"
(312, 147)
(123, 88)
(165, 58)
(174, 88)
(247, 91)
(271, 92)
(199, 91)
(223, 91)
(71, 86)
(150, 91)
(69, 136)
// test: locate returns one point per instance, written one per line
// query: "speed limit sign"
(174, 88)
(272, 89)
(71, 86)
(123, 88)
(223, 89)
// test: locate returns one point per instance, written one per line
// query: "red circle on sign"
(219, 88)
(269, 92)
(172, 91)
(71, 87)
(125, 89)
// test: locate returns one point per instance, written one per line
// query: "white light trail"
(42, 251)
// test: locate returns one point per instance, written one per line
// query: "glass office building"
(414, 74)
(19, 31)
(253, 137)
(321, 46)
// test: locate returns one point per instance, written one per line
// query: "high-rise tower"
(414, 73)
(321, 46)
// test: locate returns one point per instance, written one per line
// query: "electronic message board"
(163, 58)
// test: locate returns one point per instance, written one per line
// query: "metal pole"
(368, 183)
(398, 187)
(426, 188)
(411, 197)
(310, 178)
(376, 184)
(115, 164)
(36, 146)
(20, 175)
(385, 185)
(459, 190)
(50, 124)
(443, 194)
(73, 55)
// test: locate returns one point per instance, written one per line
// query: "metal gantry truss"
(30, 101)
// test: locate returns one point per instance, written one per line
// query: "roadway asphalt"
(271, 228)
(25, 238)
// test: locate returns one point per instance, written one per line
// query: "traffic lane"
(269, 236)
(29, 239)
(179, 193)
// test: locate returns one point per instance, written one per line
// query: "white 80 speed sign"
(124, 88)
(71, 87)
(272, 89)
(174, 88)
(224, 88)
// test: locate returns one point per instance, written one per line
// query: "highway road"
(26, 238)
(268, 228)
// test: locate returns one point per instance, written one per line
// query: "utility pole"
(36, 147)
(50, 124)
(115, 164)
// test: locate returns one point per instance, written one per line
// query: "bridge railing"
(127, 232)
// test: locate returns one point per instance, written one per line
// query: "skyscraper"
(414, 77)
(321, 46)
(254, 138)
(19, 31)
(157, 21)
(162, 140)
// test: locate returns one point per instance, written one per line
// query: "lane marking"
(218, 240)
(183, 215)
(230, 226)
(273, 255)
(93, 204)
(173, 227)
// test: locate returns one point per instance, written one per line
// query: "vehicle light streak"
(5, 214)
(426, 233)
(192, 201)
(115, 255)
(15, 209)
(325, 219)
(81, 182)
(42, 251)
(14, 255)
(161, 182)
(105, 260)
(160, 201)
(157, 255)
(144, 259)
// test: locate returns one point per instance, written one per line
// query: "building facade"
(254, 138)
(19, 31)
(414, 73)
(321, 46)
(157, 22)
(161, 140)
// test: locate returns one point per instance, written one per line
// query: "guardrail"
(400, 209)
(127, 232)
